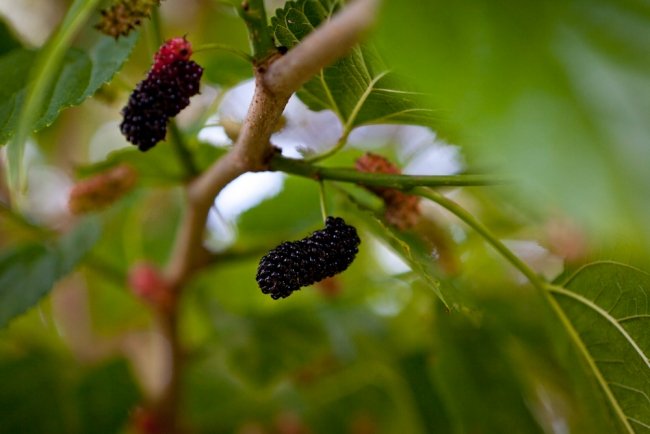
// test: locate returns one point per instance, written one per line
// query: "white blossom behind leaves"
(419, 150)
(307, 133)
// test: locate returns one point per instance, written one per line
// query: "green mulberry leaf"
(608, 305)
(359, 88)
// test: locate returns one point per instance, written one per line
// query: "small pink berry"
(146, 282)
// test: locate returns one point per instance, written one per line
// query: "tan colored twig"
(277, 78)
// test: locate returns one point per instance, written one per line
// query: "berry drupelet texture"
(294, 264)
(170, 83)
(173, 50)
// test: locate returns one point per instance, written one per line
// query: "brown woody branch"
(276, 80)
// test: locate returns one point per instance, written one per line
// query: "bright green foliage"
(29, 272)
(358, 87)
(608, 304)
(83, 72)
(14, 70)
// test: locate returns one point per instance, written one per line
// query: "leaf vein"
(590, 304)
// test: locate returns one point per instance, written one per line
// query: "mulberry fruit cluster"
(294, 264)
(166, 90)
(402, 210)
(125, 15)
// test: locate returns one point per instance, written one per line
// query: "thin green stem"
(182, 152)
(401, 182)
(223, 47)
(343, 140)
(155, 31)
(582, 348)
(202, 121)
(323, 204)
(349, 124)
(259, 34)
(482, 230)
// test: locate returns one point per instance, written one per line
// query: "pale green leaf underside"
(29, 272)
(81, 75)
(414, 255)
(358, 87)
(608, 304)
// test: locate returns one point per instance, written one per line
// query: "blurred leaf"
(416, 370)
(29, 272)
(358, 87)
(83, 73)
(106, 397)
(557, 93)
(227, 69)
(80, 76)
(413, 251)
(556, 383)
(477, 382)
(42, 99)
(43, 395)
(361, 402)
(206, 384)
(608, 305)
(14, 72)
(42, 74)
(271, 345)
(32, 399)
(159, 166)
(8, 40)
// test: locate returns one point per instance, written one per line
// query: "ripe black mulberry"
(170, 83)
(294, 264)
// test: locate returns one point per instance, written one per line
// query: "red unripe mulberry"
(147, 282)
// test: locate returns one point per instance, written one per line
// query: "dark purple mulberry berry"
(294, 264)
(162, 95)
